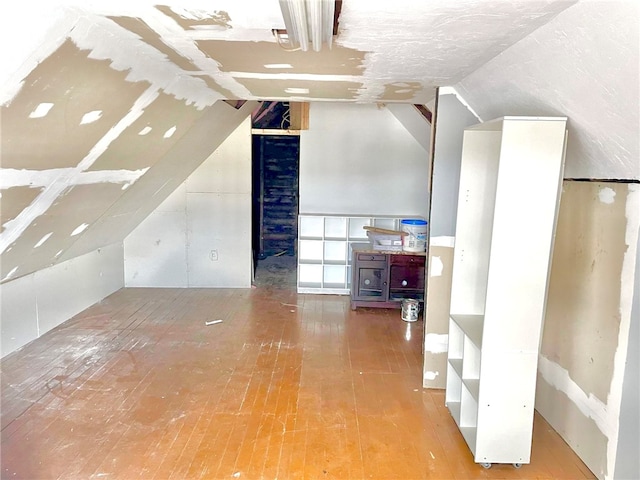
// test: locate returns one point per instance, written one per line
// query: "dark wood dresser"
(383, 279)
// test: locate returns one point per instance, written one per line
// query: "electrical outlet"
(213, 255)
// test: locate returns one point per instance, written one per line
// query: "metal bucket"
(410, 309)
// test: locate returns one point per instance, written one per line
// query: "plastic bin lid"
(413, 221)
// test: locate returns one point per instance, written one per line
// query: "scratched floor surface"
(287, 386)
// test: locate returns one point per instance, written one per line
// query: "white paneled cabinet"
(324, 253)
(510, 181)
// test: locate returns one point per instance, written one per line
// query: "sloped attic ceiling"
(209, 49)
(583, 64)
(106, 105)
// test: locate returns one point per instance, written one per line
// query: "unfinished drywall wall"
(436, 316)
(360, 160)
(80, 132)
(70, 109)
(100, 202)
(201, 235)
(586, 332)
(34, 304)
(171, 169)
(452, 117)
(387, 52)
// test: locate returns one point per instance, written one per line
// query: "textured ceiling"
(203, 50)
(107, 105)
(583, 64)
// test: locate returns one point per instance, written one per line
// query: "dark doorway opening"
(275, 197)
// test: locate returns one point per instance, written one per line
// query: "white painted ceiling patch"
(41, 110)
(79, 229)
(298, 91)
(607, 195)
(12, 177)
(108, 41)
(10, 274)
(109, 176)
(199, 14)
(43, 239)
(91, 117)
(169, 133)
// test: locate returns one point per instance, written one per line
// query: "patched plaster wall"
(121, 68)
(453, 116)
(587, 323)
(78, 209)
(84, 119)
(206, 49)
(94, 94)
(436, 315)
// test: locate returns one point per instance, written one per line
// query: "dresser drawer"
(371, 257)
(407, 260)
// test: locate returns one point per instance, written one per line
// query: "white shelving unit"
(510, 181)
(324, 249)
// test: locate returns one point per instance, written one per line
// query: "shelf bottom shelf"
(469, 435)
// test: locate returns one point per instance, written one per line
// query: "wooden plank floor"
(288, 386)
